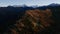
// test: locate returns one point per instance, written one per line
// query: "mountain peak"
(54, 4)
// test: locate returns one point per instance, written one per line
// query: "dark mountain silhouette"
(29, 20)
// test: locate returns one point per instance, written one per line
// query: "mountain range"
(29, 20)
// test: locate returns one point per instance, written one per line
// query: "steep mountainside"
(33, 22)
(30, 20)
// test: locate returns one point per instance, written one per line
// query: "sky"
(27, 2)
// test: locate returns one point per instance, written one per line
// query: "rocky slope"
(33, 22)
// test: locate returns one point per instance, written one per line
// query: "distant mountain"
(18, 5)
(54, 4)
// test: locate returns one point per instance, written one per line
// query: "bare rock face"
(33, 22)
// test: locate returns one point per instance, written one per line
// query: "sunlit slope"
(33, 22)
